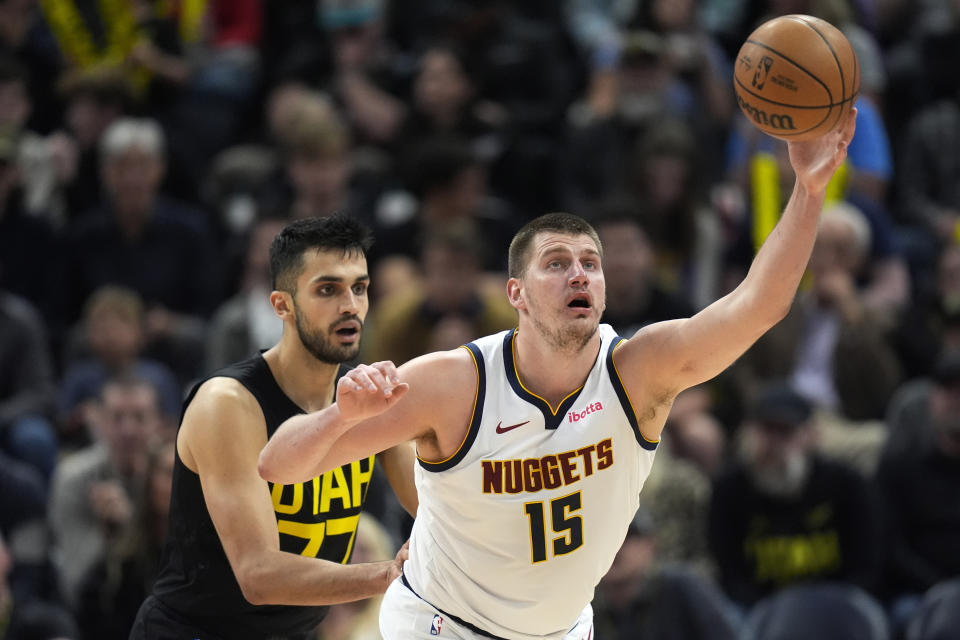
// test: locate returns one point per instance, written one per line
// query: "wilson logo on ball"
(778, 121)
(763, 70)
(796, 77)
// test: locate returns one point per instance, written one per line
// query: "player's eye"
(359, 289)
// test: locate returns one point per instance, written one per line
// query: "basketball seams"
(836, 59)
(833, 52)
(753, 93)
(757, 43)
(773, 108)
(756, 95)
(796, 133)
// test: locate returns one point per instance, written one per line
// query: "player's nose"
(578, 275)
(350, 303)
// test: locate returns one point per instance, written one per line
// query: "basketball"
(796, 77)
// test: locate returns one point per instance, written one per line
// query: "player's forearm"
(290, 579)
(295, 453)
(774, 276)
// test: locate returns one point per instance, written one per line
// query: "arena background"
(150, 150)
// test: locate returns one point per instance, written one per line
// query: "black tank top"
(316, 518)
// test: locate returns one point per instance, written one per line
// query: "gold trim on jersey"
(626, 393)
(473, 413)
(516, 374)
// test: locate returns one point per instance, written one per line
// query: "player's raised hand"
(369, 390)
(815, 161)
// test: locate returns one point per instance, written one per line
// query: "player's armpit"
(665, 358)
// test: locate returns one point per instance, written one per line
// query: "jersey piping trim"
(649, 445)
(474, 428)
(460, 621)
(552, 418)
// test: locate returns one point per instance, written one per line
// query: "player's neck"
(307, 381)
(549, 372)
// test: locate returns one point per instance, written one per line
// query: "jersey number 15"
(562, 521)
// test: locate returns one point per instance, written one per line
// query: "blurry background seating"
(150, 149)
(828, 611)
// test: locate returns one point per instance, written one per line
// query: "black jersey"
(317, 518)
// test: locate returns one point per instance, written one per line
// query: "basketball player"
(245, 559)
(533, 444)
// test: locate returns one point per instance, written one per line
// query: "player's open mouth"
(349, 329)
(580, 301)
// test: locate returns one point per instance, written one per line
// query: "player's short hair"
(338, 232)
(564, 223)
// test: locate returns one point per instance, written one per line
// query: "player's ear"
(282, 303)
(514, 294)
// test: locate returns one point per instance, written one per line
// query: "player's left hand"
(815, 161)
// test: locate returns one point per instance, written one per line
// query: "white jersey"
(517, 527)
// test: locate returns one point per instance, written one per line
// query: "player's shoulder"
(222, 390)
(442, 372)
(221, 402)
(223, 422)
(608, 333)
(651, 337)
(453, 361)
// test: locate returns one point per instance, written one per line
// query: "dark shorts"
(157, 622)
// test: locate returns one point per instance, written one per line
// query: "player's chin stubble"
(568, 337)
(320, 347)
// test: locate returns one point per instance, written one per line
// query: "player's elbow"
(278, 471)
(753, 312)
(255, 594)
(777, 311)
(774, 313)
(766, 310)
(273, 468)
(267, 468)
(254, 586)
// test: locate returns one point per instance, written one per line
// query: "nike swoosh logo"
(510, 428)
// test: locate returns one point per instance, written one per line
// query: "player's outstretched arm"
(437, 395)
(220, 438)
(302, 441)
(665, 358)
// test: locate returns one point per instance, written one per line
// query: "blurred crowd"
(151, 149)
